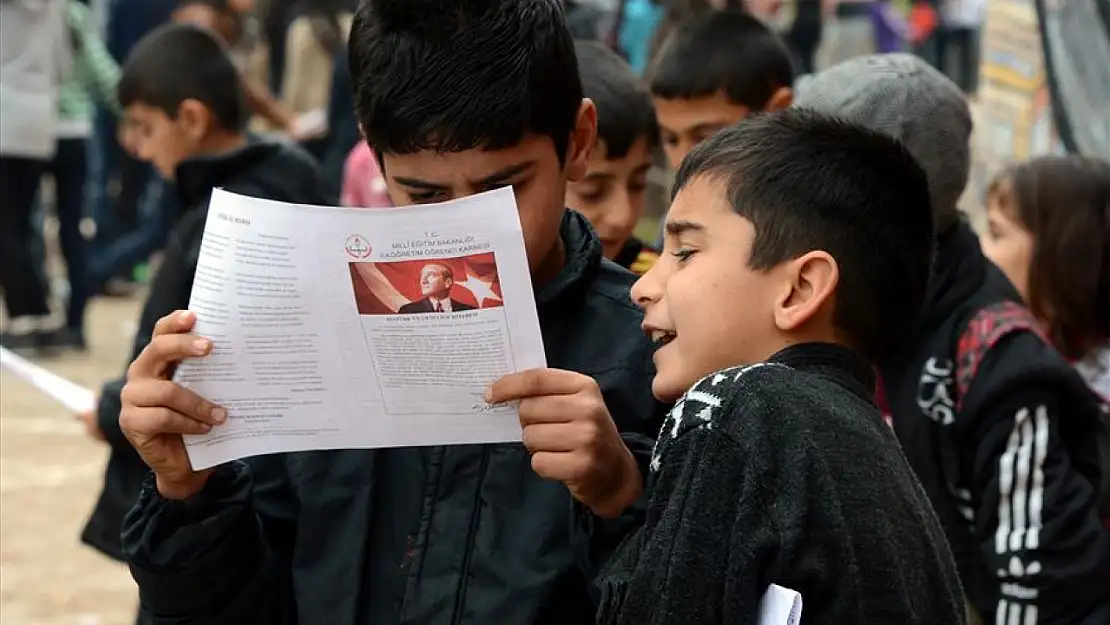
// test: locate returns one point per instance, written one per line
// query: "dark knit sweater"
(783, 472)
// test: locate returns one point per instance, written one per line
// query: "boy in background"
(611, 195)
(768, 304)
(714, 71)
(185, 113)
(999, 428)
(456, 97)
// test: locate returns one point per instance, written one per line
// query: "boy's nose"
(647, 290)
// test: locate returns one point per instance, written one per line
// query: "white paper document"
(75, 397)
(346, 328)
(780, 606)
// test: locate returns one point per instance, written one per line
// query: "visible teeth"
(661, 336)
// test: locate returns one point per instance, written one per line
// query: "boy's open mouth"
(662, 337)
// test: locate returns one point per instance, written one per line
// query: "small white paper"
(780, 606)
(73, 396)
(338, 328)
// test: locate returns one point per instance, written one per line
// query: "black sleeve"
(223, 557)
(596, 538)
(1035, 517)
(708, 537)
(701, 555)
(638, 416)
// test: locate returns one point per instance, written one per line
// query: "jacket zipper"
(475, 516)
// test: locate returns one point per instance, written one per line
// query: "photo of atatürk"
(436, 281)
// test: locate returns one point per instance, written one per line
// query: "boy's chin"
(668, 389)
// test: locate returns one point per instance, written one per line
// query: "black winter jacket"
(783, 473)
(1010, 467)
(431, 536)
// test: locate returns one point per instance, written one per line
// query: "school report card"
(340, 328)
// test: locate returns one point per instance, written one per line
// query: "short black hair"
(625, 112)
(178, 62)
(811, 182)
(453, 75)
(728, 51)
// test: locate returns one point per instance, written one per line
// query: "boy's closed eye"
(684, 254)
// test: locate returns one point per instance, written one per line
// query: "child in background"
(775, 466)
(611, 195)
(363, 182)
(714, 71)
(1049, 232)
(1000, 429)
(184, 113)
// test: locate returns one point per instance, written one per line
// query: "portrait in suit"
(426, 285)
(436, 280)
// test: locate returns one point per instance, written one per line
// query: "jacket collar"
(583, 258)
(834, 361)
(197, 176)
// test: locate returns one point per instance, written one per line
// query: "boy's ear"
(781, 99)
(582, 141)
(813, 279)
(195, 118)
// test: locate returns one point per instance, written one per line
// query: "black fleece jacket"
(783, 472)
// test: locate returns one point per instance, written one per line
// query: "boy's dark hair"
(452, 75)
(624, 109)
(179, 62)
(810, 182)
(728, 51)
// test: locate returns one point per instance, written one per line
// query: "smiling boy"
(456, 97)
(775, 466)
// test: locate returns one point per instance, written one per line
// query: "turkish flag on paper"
(382, 288)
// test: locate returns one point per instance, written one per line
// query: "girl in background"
(1049, 232)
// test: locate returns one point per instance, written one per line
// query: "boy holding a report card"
(456, 97)
(775, 466)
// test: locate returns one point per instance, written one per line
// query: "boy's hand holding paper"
(572, 437)
(381, 329)
(157, 411)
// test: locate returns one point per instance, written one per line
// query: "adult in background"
(34, 56)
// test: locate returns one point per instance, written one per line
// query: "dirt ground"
(50, 475)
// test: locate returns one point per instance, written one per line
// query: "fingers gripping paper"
(337, 328)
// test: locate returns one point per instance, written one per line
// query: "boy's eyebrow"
(503, 174)
(416, 183)
(676, 228)
(492, 179)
